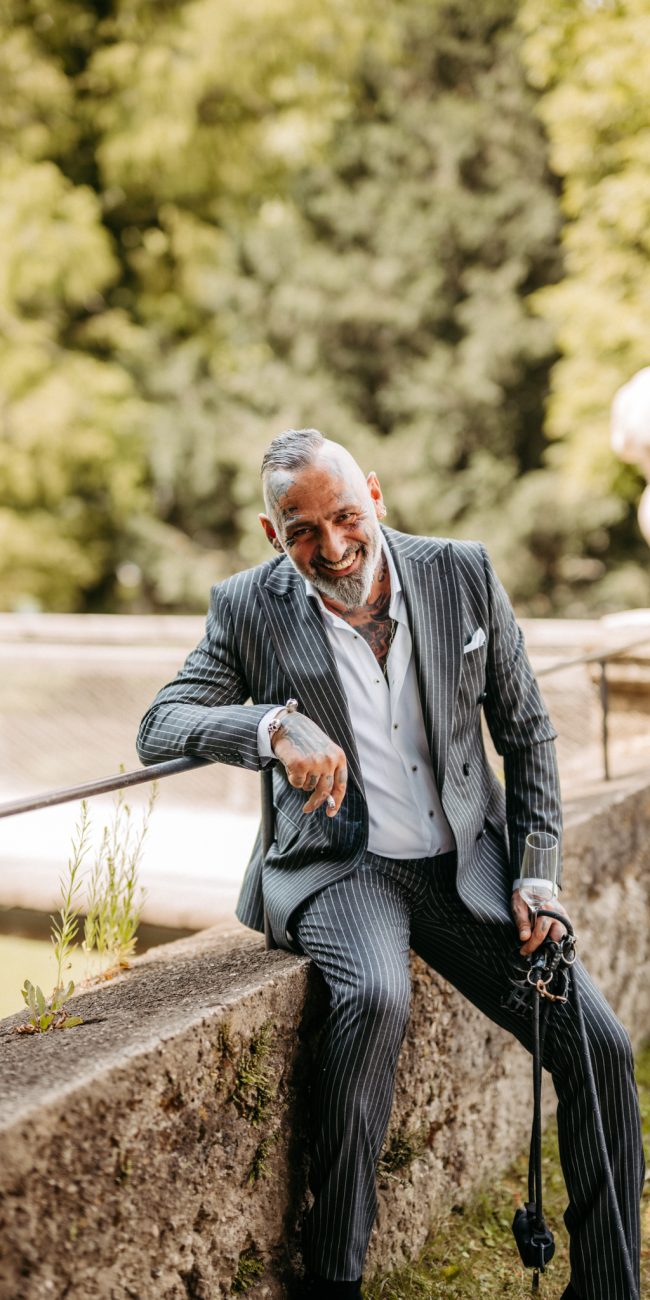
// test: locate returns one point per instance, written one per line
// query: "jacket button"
(480, 835)
(465, 769)
(480, 699)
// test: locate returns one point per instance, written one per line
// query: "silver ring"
(330, 801)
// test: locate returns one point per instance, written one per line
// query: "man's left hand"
(544, 928)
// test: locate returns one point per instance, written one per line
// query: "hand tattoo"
(299, 730)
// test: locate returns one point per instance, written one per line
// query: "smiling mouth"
(342, 565)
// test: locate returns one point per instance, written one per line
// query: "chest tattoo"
(377, 628)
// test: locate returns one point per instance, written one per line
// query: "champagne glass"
(539, 869)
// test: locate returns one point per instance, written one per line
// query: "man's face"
(325, 518)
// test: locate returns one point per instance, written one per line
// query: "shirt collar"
(396, 598)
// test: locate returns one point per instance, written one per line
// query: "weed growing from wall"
(114, 903)
(401, 1149)
(113, 906)
(50, 1013)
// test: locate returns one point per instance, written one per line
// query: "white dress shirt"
(406, 819)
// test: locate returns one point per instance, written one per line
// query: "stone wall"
(159, 1150)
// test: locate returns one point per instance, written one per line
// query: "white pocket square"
(476, 642)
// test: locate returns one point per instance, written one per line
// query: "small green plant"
(47, 1013)
(249, 1268)
(50, 1013)
(401, 1150)
(113, 910)
(114, 906)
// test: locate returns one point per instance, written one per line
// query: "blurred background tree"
(589, 63)
(220, 219)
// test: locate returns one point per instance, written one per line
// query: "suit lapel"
(303, 650)
(431, 591)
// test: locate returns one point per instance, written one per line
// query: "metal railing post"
(604, 704)
(268, 832)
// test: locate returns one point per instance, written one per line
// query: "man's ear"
(374, 488)
(269, 529)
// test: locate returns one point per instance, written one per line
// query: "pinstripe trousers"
(358, 932)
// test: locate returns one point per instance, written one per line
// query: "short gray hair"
(293, 449)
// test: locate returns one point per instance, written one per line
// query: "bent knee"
(385, 1003)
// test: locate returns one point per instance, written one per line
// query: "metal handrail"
(598, 657)
(104, 786)
(139, 777)
(120, 781)
(602, 659)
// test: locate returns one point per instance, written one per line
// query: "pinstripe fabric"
(265, 641)
(358, 931)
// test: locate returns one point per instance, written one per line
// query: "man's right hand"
(311, 760)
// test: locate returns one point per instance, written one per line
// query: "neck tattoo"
(391, 638)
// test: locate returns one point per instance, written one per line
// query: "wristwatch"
(291, 706)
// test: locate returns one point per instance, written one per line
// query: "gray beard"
(352, 591)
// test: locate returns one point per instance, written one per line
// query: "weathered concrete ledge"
(158, 1151)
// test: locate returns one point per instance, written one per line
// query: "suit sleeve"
(520, 728)
(203, 711)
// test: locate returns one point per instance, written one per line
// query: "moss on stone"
(123, 1167)
(258, 1163)
(225, 1047)
(249, 1268)
(225, 1052)
(401, 1150)
(254, 1090)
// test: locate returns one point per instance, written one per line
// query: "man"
(368, 656)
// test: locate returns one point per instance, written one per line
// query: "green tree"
(69, 464)
(392, 280)
(162, 129)
(590, 63)
(255, 216)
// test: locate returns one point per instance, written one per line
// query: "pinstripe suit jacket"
(265, 641)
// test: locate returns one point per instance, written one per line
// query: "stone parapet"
(159, 1150)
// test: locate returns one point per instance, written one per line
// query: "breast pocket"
(471, 690)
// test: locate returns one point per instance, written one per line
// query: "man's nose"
(332, 545)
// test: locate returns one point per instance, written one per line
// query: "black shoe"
(323, 1288)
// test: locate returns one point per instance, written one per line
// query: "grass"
(472, 1255)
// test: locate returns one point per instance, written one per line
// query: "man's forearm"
(226, 734)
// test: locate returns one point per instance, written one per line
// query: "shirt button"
(395, 726)
(414, 767)
(431, 812)
(377, 681)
